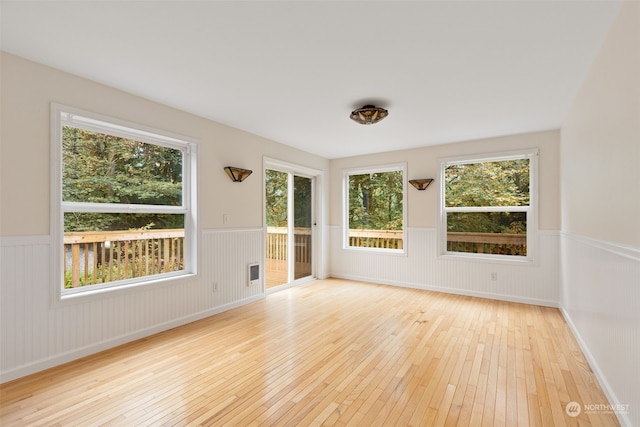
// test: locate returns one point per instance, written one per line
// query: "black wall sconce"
(237, 174)
(421, 184)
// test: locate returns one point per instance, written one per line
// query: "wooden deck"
(276, 272)
(331, 352)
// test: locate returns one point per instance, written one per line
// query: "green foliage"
(83, 221)
(487, 222)
(276, 195)
(302, 202)
(109, 273)
(499, 183)
(100, 168)
(375, 201)
(276, 198)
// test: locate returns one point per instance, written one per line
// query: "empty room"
(340, 213)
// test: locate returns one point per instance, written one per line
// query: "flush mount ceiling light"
(368, 115)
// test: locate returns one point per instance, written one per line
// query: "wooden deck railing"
(382, 239)
(105, 256)
(99, 257)
(487, 243)
(276, 247)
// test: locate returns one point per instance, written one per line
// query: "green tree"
(276, 195)
(302, 201)
(100, 168)
(276, 198)
(498, 183)
(375, 201)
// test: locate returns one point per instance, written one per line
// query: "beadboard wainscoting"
(536, 283)
(37, 334)
(599, 300)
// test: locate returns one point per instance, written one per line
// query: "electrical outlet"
(494, 275)
(214, 286)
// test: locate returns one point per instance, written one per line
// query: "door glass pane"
(276, 196)
(302, 201)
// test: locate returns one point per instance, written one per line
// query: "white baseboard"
(604, 384)
(454, 291)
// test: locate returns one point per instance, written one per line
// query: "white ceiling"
(292, 71)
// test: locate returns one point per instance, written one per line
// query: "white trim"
(56, 227)
(448, 290)
(488, 209)
(388, 167)
(25, 240)
(626, 251)
(293, 168)
(99, 290)
(121, 208)
(623, 417)
(293, 284)
(488, 157)
(69, 356)
(96, 122)
(381, 251)
(291, 247)
(232, 230)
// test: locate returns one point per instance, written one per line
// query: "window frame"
(391, 167)
(531, 211)
(62, 115)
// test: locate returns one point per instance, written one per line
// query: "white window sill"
(89, 294)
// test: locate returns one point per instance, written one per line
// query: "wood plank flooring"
(331, 352)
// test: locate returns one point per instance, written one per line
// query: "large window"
(488, 205)
(123, 201)
(374, 214)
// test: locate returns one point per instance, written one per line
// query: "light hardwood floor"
(331, 352)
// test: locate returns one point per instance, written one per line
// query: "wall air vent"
(253, 274)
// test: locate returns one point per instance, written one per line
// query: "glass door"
(289, 218)
(302, 226)
(277, 216)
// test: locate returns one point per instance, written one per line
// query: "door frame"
(318, 261)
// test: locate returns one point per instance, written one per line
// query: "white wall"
(536, 283)
(34, 334)
(600, 187)
(601, 141)
(422, 269)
